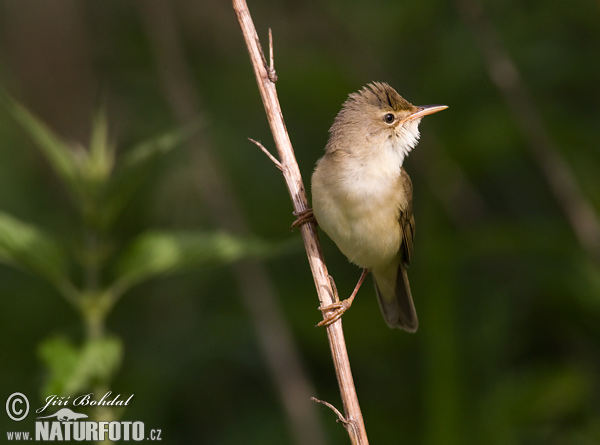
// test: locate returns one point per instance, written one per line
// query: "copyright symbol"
(14, 406)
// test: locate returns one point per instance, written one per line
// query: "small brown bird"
(362, 196)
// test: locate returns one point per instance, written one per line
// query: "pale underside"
(361, 208)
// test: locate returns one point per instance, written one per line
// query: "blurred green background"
(506, 266)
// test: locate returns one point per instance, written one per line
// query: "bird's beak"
(424, 110)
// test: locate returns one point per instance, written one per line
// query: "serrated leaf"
(157, 253)
(73, 370)
(29, 247)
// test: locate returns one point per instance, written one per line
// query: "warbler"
(362, 195)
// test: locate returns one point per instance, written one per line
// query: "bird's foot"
(339, 307)
(303, 217)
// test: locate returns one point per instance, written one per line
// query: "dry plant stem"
(265, 75)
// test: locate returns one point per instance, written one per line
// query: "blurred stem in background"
(559, 176)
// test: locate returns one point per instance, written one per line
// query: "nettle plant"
(92, 274)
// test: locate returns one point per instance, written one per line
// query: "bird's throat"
(405, 138)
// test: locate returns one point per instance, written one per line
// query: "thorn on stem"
(341, 418)
(265, 151)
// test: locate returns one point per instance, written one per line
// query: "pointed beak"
(424, 110)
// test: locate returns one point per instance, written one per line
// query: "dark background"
(505, 273)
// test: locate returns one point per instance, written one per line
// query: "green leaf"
(100, 162)
(58, 153)
(134, 168)
(146, 152)
(26, 246)
(73, 370)
(155, 253)
(61, 358)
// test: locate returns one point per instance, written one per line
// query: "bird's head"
(377, 117)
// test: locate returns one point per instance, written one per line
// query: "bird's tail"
(395, 299)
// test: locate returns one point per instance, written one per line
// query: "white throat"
(405, 138)
(375, 174)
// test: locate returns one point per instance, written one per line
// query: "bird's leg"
(339, 307)
(303, 217)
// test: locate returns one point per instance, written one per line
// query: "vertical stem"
(93, 309)
(265, 77)
(95, 303)
(91, 270)
(94, 322)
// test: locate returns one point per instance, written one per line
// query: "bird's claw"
(303, 217)
(338, 308)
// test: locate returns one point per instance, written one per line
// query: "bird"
(362, 195)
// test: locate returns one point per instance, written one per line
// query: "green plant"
(94, 273)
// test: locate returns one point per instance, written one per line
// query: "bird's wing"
(407, 219)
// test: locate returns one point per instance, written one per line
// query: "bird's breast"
(358, 207)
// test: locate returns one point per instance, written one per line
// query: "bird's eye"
(389, 118)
